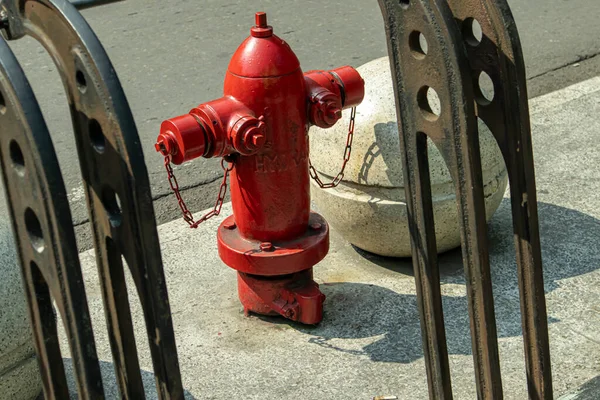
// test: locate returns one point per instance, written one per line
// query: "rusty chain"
(187, 215)
(336, 181)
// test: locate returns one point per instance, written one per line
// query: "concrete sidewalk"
(369, 342)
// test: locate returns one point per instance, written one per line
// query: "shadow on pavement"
(111, 390)
(570, 245)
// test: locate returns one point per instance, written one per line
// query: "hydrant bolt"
(316, 226)
(266, 246)
(229, 225)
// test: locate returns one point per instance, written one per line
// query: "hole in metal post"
(472, 32)
(50, 322)
(2, 104)
(81, 82)
(429, 103)
(17, 158)
(96, 136)
(404, 3)
(485, 92)
(112, 204)
(34, 229)
(418, 45)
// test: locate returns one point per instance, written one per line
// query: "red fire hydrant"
(260, 127)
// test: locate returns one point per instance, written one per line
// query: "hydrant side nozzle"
(182, 138)
(352, 86)
(330, 92)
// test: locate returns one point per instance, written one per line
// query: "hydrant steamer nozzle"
(260, 126)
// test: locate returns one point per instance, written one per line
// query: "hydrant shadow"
(376, 322)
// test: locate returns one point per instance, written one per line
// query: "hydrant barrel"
(270, 190)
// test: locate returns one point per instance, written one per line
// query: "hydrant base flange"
(276, 258)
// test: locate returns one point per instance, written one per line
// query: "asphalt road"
(172, 55)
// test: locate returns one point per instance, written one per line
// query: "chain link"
(347, 151)
(187, 215)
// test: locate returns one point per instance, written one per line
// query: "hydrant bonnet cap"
(263, 55)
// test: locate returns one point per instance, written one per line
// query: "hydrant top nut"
(262, 29)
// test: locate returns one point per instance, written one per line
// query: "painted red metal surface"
(261, 124)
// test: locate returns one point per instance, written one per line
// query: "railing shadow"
(571, 243)
(111, 389)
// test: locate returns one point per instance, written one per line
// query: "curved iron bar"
(451, 63)
(443, 68)
(499, 54)
(43, 228)
(117, 189)
(83, 4)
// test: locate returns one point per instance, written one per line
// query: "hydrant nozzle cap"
(262, 29)
(181, 138)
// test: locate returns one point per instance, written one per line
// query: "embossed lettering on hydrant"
(272, 162)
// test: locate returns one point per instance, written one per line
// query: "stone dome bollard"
(20, 378)
(368, 207)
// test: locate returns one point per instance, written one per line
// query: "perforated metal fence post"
(449, 68)
(44, 234)
(119, 203)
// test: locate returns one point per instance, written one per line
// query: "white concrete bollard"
(368, 208)
(20, 378)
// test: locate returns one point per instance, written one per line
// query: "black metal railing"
(118, 199)
(121, 213)
(466, 38)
